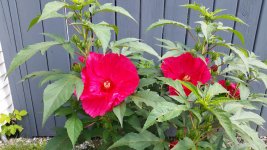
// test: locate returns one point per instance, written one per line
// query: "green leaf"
(148, 97)
(67, 45)
(192, 88)
(74, 128)
(237, 33)
(163, 22)
(229, 17)
(119, 111)
(137, 141)
(23, 113)
(162, 112)
(195, 7)
(34, 21)
(172, 53)
(40, 74)
(250, 136)
(247, 116)
(225, 123)
(64, 111)
(58, 93)
(50, 10)
(239, 53)
(139, 46)
(216, 89)
(244, 91)
(146, 82)
(26, 53)
(207, 29)
(175, 84)
(60, 141)
(108, 7)
(185, 144)
(103, 34)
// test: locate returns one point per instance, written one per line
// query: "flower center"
(107, 84)
(186, 78)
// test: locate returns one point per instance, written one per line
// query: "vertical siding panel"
(194, 16)
(27, 10)
(249, 12)
(128, 28)
(20, 92)
(57, 57)
(261, 50)
(231, 7)
(151, 11)
(173, 11)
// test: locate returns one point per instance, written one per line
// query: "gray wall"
(15, 16)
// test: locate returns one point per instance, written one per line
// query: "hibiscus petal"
(108, 80)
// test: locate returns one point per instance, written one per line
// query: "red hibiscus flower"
(173, 143)
(108, 80)
(187, 68)
(232, 88)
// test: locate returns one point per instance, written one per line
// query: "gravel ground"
(85, 146)
(41, 141)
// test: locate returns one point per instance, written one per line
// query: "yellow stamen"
(186, 78)
(106, 84)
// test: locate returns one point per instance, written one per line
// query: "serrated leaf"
(63, 111)
(172, 53)
(67, 45)
(163, 22)
(23, 113)
(58, 93)
(146, 82)
(247, 116)
(185, 144)
(50, 10)
(225, 123)
(207, 29)
(148, 97)
(237, 33)
(119, 111)
(103, 34)
(26, 53)
(34, 21)
(192, 88)
(175, 84)
(137, 141)
(40, 74)
(60, 141)
(216, 89)
(162, 112)
(239, 53)
(195, 7)
(139, 46)
(74, 128)
(229, 17)
(108, 7)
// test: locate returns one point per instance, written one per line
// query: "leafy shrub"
(124, 109)
(8, 122)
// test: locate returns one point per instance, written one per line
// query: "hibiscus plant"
(119, 99)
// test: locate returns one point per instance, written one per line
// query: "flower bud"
(173, 143)
(214, 68)
(98, 43)
(77, 67)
